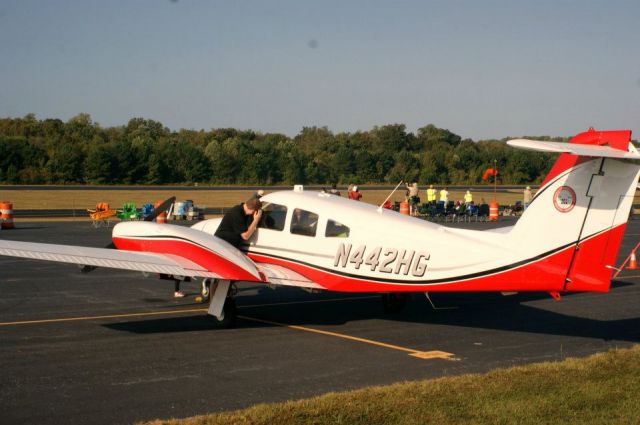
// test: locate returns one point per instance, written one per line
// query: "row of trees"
(146, 152)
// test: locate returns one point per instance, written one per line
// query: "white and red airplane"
(566, 241)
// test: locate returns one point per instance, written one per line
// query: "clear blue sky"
(482, 69)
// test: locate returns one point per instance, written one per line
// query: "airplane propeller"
(160, 209)
(156, 212)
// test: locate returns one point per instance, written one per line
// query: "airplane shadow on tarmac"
(469, 310)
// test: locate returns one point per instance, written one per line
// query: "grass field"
(83, 199)
(601, 389)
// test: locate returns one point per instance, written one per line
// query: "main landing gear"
(394, 302)
(222, 310)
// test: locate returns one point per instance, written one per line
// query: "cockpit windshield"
(273, 217)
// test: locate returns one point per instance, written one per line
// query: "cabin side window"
(304, 223)
(336, 230)
(273, 217)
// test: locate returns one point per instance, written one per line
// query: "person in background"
(414, 199)
(259, 194)
(355, 193)
(444, 196)
(468, 198)
(431, 195)
(527, 197)
(177, 293)
(334, 190)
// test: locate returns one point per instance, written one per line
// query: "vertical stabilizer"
(584, 204)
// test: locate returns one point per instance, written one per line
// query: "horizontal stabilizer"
(575, 149)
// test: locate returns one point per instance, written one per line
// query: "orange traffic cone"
(633, 264)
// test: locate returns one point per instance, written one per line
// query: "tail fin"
(583, 203)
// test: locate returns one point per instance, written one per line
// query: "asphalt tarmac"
(115, 347)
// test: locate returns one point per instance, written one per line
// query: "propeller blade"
(160, 209)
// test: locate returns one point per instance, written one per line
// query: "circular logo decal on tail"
(564, 199)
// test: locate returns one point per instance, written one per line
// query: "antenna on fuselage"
(390, 195)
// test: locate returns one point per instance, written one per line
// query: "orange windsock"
(489, 172)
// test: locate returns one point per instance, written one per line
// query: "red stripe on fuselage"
(195, 253)
(544, 275)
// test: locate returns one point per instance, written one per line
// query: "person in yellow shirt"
(468, 197)
(444, 196)
(431, 194)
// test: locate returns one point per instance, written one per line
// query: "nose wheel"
(227, 318)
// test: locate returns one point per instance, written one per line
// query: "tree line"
(144, 151)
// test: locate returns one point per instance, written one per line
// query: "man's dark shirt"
(233, 224)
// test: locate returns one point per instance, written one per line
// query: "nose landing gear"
(222, 304)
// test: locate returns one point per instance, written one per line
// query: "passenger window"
(273, 216)
(336, 230)
(304, 222)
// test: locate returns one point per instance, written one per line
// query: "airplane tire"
(394, 302)
(229, 315)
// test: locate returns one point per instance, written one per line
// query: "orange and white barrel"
(162, 217)
(493, 211)
(6, 214)
(404, 208)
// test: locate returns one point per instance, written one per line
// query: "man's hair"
(253, 203)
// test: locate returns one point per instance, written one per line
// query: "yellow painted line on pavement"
(165, 312)
(415, 353)
(110, 316)
(434, 354)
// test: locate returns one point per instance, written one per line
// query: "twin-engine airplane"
(566, 241)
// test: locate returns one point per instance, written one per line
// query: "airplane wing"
(104, 257)
(141, 261)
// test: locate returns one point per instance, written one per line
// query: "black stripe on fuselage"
(421, 282)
